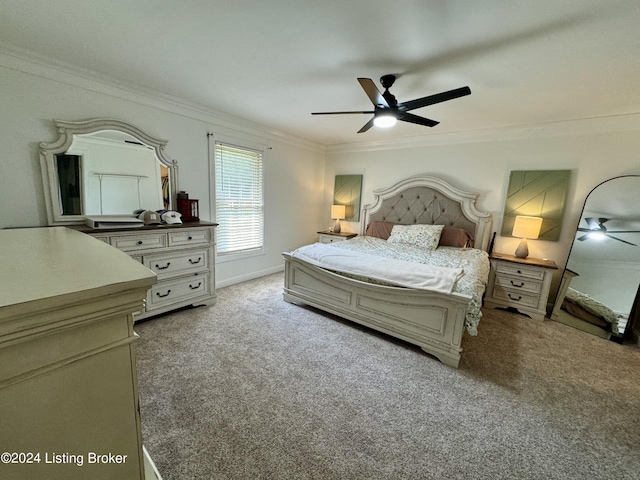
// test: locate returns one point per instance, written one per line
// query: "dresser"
(68, 380)
(182, 257)
(520, 283)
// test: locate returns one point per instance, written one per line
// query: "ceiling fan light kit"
(387, 111)
(384, 120)
(597, 231)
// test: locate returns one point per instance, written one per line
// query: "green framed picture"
(537, 193)
(347, 191)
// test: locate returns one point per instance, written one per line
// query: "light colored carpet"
(256, 388)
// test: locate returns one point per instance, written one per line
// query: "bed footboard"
(431, 320)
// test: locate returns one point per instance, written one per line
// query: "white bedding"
(469, 266)
(390, 270)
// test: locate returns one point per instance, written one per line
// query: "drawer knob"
(189, 238)
(519, 271)
(515, 299)
(193, 262)
(139, 242)
(165, 295)
(196, 287)
(516, 285)
(163, 268)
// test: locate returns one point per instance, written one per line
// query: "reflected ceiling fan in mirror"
(598, 230)
(386, 109)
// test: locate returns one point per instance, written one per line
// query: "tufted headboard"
(429, 200)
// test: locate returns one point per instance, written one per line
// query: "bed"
(433, 320)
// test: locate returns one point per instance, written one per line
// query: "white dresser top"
(57, 262)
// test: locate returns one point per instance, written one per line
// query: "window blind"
(239, 199)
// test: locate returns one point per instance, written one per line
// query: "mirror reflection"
(110, 173)
(603, 269)
(105, 167)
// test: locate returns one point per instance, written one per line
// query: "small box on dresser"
(520, 283)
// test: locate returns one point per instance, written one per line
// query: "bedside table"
(332, 237)
(520, 283)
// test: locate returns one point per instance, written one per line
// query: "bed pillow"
(380, 229)
(455, 237)
(423, 236)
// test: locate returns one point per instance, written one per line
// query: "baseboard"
(249, 276)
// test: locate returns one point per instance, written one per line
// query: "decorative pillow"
(455, 237)
(424, 236)
(380, 229)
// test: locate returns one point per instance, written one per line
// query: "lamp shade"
(338, 211)
(527, 227)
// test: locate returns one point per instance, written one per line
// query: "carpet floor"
(256, 388)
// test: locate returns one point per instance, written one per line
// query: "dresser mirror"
(105, 167)
(602, 275)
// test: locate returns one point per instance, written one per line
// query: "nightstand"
(520, 283)
(332, 237)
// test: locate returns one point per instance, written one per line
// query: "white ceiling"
(274, 62)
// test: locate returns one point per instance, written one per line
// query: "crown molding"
(627, 122)
(39, 65)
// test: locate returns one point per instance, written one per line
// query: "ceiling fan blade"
(411, 118)
(593, 224)
(372, 92)
(338, 113)
(620, 240)
(366, 127)
(432, 99)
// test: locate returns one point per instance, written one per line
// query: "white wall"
(32, 96)
(594, 150)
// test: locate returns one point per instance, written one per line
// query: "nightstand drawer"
(516, 298)
(519, 270)
(521, 283)
(330, 239)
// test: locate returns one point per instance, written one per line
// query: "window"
(239, 199)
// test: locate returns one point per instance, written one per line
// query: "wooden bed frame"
(431, 320)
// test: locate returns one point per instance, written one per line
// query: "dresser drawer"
(144, 241)
(179, 263)
(519, 270)
(188, 237)
(173, 291)
(515, 298)
(520, 283)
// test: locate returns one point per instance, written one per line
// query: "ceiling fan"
(597, 228)
(386, 109)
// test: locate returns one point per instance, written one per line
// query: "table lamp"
(338, 213)
(526, 227)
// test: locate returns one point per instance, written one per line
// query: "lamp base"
(336, 227)
(523, 249)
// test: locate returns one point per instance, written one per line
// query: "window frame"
(242, 145)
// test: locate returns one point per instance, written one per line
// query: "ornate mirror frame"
(66, 131)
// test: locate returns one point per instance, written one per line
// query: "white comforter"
(472, 263)
(389, 270)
